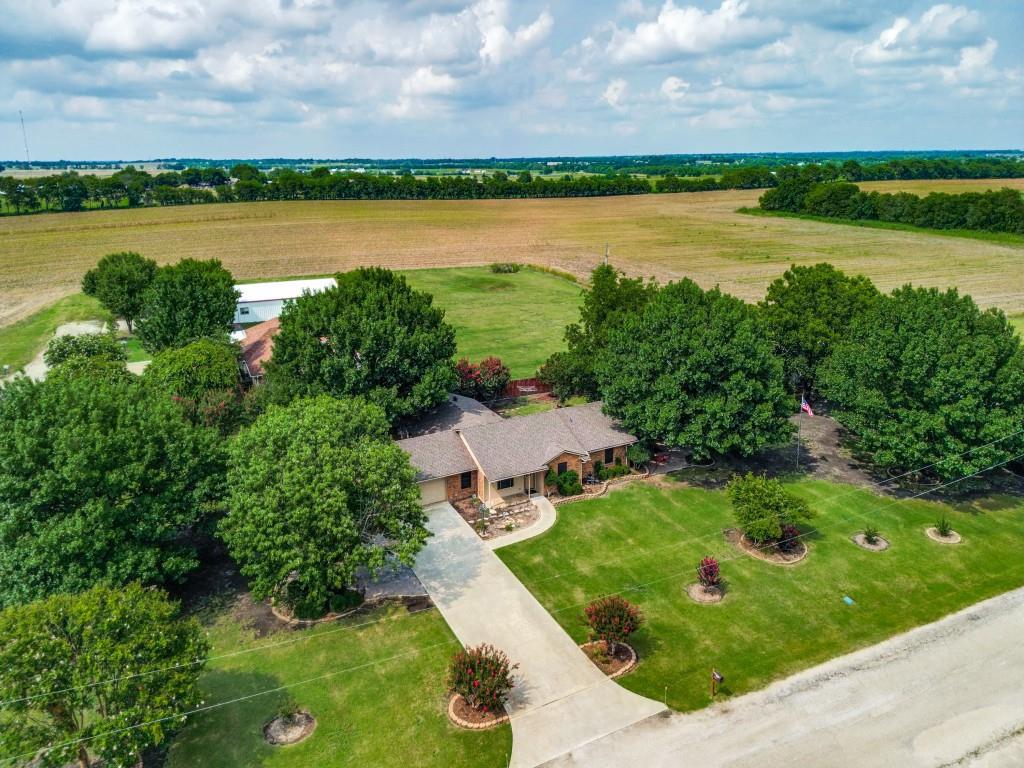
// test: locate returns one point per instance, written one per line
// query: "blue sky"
(145, 78)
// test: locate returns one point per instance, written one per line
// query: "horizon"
(448, 78)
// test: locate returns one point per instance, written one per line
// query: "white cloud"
(615, 92)
(674, 88)
(416, 96)
(688, 31)
(939, 29)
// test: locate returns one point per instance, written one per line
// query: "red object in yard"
(660, 458)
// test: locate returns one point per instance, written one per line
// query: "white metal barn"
(264, 301)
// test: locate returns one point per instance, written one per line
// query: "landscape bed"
(644, 541)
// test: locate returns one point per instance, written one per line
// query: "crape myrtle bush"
(612, 619)
(482, 675)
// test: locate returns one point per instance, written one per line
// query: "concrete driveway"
(561, 700)
(946, 694)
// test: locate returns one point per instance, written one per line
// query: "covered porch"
(513, 491)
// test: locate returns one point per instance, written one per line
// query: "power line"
(232, 654)
(208, 707)
(327, 675)
(694, 540)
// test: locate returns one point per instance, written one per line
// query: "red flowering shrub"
(468, 378)
(790, 538)
(707, 573)
(494, 378)
(482, 675)
(613, 619)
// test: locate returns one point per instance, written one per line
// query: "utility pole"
(606, 249)
(24, 137)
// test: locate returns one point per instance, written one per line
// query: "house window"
(465, 480)
(243, 310)
(609, 455)
(563, 466)
(507, 483)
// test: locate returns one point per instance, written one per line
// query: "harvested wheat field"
(700, 235)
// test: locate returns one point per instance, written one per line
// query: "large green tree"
(808, 310)
(610, 298)
(373, 336)
(316, 489)
(694, 368)
(203, 378)
(79, 672)
(120, 281)
(187, 301)
(924, 377)
(100, 481)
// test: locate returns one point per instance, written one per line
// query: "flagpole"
(799, 431)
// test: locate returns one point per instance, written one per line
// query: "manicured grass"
(1017, 321)
(23, 340)
(520, 317)
(644, 542)
(523, 406)
(1004, 238)
(135, 351)
(382, 704)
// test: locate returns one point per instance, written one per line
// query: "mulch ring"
(289, 729)
(624, 660)
(769, 554)
(880, 545)
(934, 535)
(465, 716)
(705, 595)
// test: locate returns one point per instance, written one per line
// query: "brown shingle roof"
(258, 344)
(439, 454)
(525, 444)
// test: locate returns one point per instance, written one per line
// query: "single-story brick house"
(502, 460)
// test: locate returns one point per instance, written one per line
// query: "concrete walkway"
(544, 521)
(561, 700)
(946, 694)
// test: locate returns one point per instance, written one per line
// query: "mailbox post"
(716, 680)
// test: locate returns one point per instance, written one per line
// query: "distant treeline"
(130, 187)
(992, 211)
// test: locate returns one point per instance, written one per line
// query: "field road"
(946, 694)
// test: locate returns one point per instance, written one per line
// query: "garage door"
(432, 491)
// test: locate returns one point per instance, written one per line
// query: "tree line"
(992, 210)
(243, 182)
(702, 370)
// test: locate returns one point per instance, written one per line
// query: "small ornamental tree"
(203, 378)
(63, 348)
(78, 673)
(764, 508)
(482, 675)
(467, 378)
(494, 378)
(613, 619)
(708, 573)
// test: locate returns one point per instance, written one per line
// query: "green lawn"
(775, 620)
(387, 711)
(519, 317)
(1017, 321)
(523, 406)
(135, 351)
(21, 341)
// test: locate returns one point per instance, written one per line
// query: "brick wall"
(574, 465)
(454, 489)
(619, 453)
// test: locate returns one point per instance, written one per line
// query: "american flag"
(805, 406)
